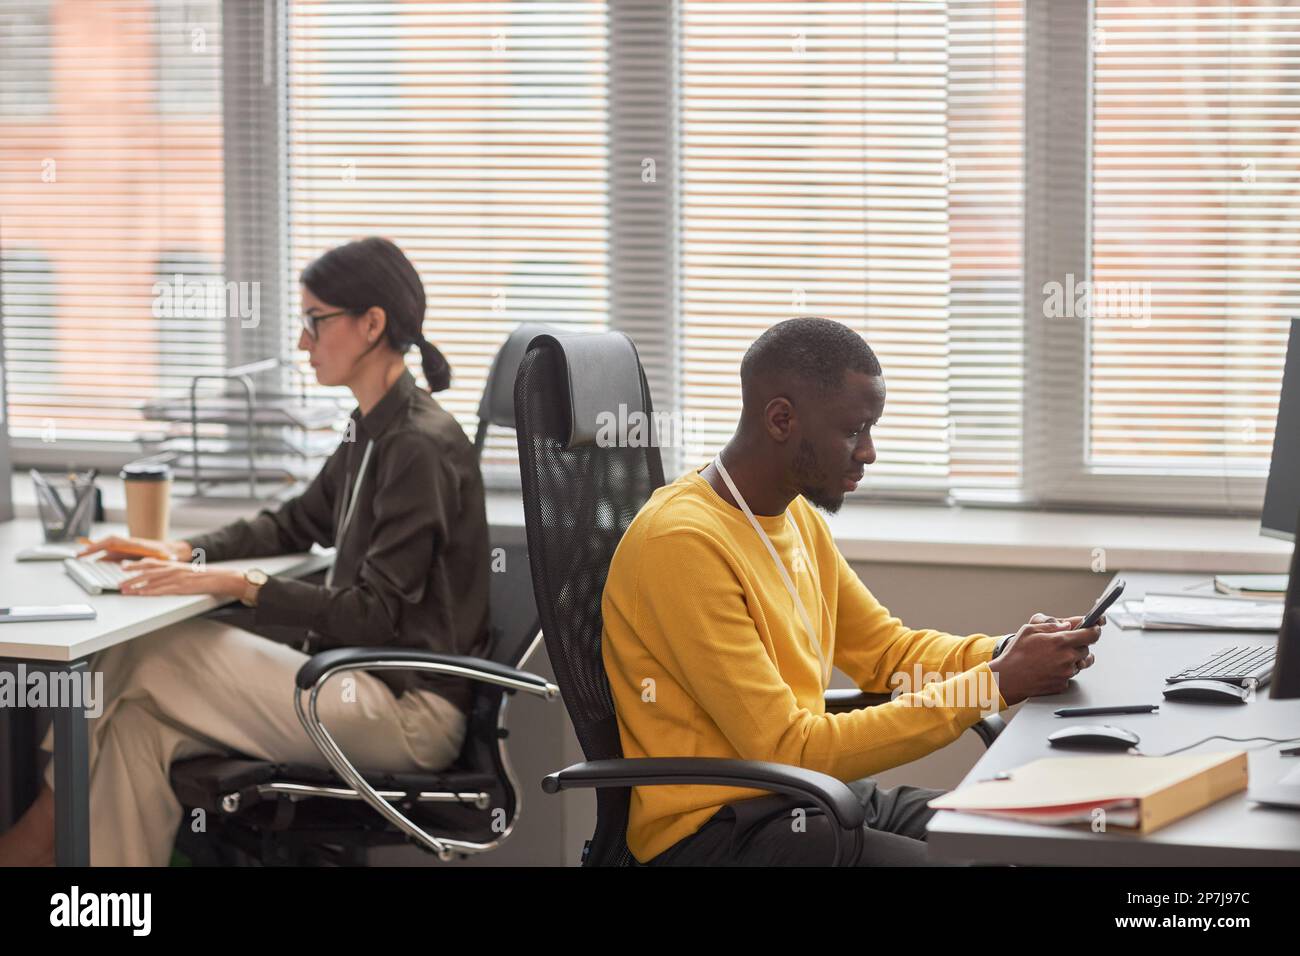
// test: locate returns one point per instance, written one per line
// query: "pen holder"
(66, 503)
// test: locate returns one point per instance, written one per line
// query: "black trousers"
(767, 831)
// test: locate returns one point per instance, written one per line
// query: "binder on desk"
(1141, 793)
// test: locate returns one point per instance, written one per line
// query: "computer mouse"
(1207, 692)
(1094, 737)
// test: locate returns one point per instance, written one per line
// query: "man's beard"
(811, 480)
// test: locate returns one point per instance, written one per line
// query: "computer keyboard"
(96, 577)
(1233, 665)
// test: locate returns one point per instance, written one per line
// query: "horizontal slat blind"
(474, 136)
(862, 162)
(1196, 209)
(110, 182)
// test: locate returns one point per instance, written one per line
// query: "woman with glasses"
(401, 499)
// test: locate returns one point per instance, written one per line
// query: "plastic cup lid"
(146, 471)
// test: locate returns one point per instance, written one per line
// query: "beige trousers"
(203, 687)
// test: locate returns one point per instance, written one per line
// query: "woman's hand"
(119, 548)
(151, 576)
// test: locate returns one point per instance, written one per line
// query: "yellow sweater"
(707, 657)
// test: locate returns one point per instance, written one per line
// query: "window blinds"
(1195, 242)
(861, 162)
(110, 189)
(474, 136)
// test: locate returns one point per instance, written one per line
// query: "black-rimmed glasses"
(309, 321)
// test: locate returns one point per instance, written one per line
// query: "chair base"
(241, 811)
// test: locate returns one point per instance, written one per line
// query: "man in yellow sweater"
(714, 649)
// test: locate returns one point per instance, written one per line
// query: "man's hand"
(150, 576)
(1043, 656)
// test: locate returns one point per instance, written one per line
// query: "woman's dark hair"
(374, 272)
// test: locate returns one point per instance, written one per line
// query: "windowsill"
(912, 534)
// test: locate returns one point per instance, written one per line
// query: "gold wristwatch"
(254, 578)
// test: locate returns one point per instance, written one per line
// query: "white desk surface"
(120, 618)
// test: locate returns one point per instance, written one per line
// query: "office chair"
(579, 498)
(281, 813)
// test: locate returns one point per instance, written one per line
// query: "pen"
(1097, 711)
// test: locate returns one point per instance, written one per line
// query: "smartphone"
(1105, 601)
(55, 612)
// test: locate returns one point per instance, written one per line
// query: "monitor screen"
(1282, 496)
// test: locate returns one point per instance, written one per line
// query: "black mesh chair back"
(514, 613)
(515, 624)
(579, 498)
(514, 632)
(510, 596)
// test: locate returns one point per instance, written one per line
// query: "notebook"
(1251, 585)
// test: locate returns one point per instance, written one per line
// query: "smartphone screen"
(1105, 601)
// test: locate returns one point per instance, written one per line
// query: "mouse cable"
(1237, 740)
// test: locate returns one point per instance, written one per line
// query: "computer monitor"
(1286, 668)
(1282, 494)
(1267, 787)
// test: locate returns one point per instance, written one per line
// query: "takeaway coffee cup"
(148, 487)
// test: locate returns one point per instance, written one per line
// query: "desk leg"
(24, 781)
(71, 776)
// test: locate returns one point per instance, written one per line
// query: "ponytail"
(436, 370)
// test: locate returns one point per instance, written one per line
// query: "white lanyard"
(780, 566)
(347, 514)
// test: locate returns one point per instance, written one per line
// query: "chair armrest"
(843, 701)
(989, 728)
(320, 667)
(327, 663)
(832, 795)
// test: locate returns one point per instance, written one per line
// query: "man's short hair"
(812, 351)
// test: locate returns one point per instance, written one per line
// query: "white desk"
(64, 646)
(1131, 668)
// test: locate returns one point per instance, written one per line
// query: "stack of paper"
(1183, 612)
(1195, 612)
